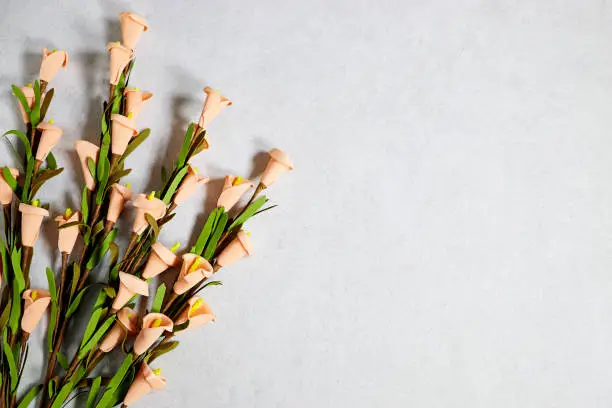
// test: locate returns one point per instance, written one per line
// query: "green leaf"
(74, 305)
(46, 103)
(28, 180)
(15, 315)
(24, 140)
(175, 183)
(162, 349)
(85, 205)
(62, 395)
(135, 142)
(22, 99)
(211, 246)
(51, 326)
(213, 283)
(93, 392)
(10, 180)
(249, 212)
(51, 162)
(103, 169)
(115, 382)
(206, 231)
(63, 361)
(114, 254)
(110, 291)
(76, 275)
(97, 336)
(35, 112)
(118, 175)
(91, 165)
(12, 364)
(153, 223)
(100, 300)
(182, 158)
(51, 388)
(4, 317)
(29, 397)
(91, 325)
(164, 174)
(52, 286)
(42, 177)
(265, 209)
(101, 250)
(159, 299)
(16, 264)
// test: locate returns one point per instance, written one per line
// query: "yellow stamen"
(157, 371)
(34, 295)
(137, 89)
(130, 115)
(68, 213)
(194, 265)
(51, 121)
(195, 306)
(151, 196)
(196, 169)
(29, 85)
(248, 234)
(36, 203)
(157, 322)
(130, 315)
(128, 185)
(175, 247)
(54, 50)
(117, 42)
(237, 181)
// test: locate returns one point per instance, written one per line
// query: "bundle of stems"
(114, 326)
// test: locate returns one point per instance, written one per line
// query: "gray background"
(446, 238)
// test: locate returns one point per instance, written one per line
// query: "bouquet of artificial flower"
(114, 325)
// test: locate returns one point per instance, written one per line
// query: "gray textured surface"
(446, 238)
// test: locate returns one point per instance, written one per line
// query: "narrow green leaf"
(76, 275)
(12, 364)
(110, 291)
(29, 397)
(249, 212)
(97, 336)
(175, 183)
(63, 361)
(135, 142)
(22, 99)
(74, 305)
(101, 250)
(118, 175)
(51, 326)
(35, 112)
(206, 231)
(10, 180)
(85, 205)
(159, 299)
(214, 239)
(185, 147)
(28, 180)
(91, 165)
(153, 223)
(52, 286)
(213, 283)
(62, 395)
(46, 103)
(15, 315)
(114, 254)
(91, 325)
(51, 388)
(115, 382)
(16, 265)
(51, 162)
(162, 349)
(93, 392)
(42, 177)
(24, 140)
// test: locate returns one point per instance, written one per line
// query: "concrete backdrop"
(446, 238)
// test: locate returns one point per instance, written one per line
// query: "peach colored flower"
(87, 150)
(233, 189)
(153, 326)
(35, 304)
(146, 380)
(119, 195)
(193, 270)
(49, 137)
(214, 104)
(235, 250)
(147, 205)
(279, 163)
(31, 220)
(161, 258)
(132, 27)
(120, 56)
(28, 92)
(52, 61)
(135, 100)
(127, 322)
(6, 193)
(188, 185)
(197, 313)
(68, 236)
(129, 286)
(123, 129)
